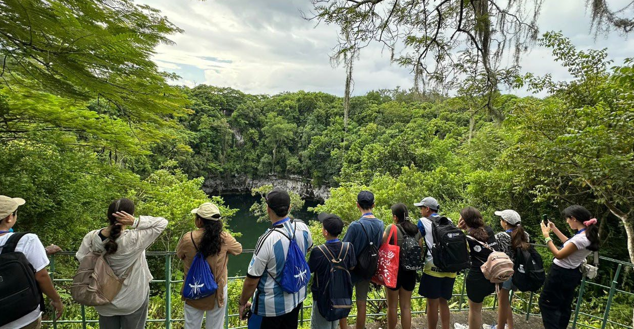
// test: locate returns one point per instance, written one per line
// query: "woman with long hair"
(124, 242)
(564, 275)
(401, 295)
(478, 287)
(512, 238)
(215, 244)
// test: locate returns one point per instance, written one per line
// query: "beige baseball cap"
(208, 211)
(9, 205)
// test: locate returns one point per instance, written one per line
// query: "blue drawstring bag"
(200, 282)
(296, 273)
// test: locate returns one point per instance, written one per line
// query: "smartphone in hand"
(545, 219)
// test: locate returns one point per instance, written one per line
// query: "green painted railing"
(462, 305)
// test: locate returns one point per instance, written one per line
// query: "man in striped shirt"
(272, 307)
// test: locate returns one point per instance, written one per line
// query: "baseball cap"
(509, 216)
(9, 205)
(365, 199)
(279, 201)
(428, 202)
(332, 223)
(208, 211)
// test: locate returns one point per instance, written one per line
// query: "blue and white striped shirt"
(268, 260)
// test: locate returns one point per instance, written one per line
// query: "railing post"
(83, 317)
(227, 313)
(611, 295)
(464, 284)
(529, 307)
(52, 275)
(168, 291)
(579, 299)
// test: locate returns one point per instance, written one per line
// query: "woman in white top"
(564, 275)
(125, 252)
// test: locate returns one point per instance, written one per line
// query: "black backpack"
(450, 251)
(411, 255)
(368, 259)
(19, 292)
(529, 270)
(336, 301)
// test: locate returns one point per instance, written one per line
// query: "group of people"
(265, 299)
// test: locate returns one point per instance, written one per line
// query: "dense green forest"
(87, 117)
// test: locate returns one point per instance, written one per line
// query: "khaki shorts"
(362, 288)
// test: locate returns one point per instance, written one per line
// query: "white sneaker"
(489, 326)
(460, 326)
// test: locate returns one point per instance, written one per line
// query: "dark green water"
(246, 223)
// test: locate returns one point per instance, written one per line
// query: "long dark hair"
(518, 237)
(581, 214)
(210, 243)
(122, 204)
(400, 211)
(474, 221)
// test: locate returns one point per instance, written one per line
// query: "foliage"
(259, 208)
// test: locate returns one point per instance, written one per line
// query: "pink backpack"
(499, 267)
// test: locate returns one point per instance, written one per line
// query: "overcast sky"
(265, 46)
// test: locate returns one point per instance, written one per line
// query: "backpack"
(296, 273)
(200, 281)
(336, 301)
(368, 259)
(411, 257)
(498, 267)
(529, 270)
(19, 291)
(95, 283)
(450, 252)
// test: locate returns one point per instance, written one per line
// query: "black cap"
(332, 223)
(279, 201)
(365, 199)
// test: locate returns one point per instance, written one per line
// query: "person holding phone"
(564, 275)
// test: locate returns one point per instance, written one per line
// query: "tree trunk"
(273, 163)
(627, 220)
(471, 127)
(346, 98)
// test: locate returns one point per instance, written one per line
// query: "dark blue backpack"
(336, 301)
(200, 282)
(296, 273)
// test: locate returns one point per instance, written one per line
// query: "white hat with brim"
(510, 216)
(208, 211)
(9, 205)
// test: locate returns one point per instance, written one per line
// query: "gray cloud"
(267, 47)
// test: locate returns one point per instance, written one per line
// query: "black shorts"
(433, 287)
(478, 287)
(285, 321)
(406, 280)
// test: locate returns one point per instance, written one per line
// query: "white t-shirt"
(35, 253)
(576, 258)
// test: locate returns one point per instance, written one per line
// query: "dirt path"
(489, 317)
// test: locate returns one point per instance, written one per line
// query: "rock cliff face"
(245, 185)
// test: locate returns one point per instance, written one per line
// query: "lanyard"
(333, 241)
(9, 231)
(281, 221)
(367, 214)
(580, 231)
(509, 230)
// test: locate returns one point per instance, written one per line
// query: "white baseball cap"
(509, 216)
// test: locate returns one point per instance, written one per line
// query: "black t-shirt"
(479, 253)
(320, 265)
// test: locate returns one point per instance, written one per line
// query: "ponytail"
(583, 215)
(122, 204)
(519, 238)
(473, 218)
(400, 211)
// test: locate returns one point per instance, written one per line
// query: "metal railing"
(529, 301)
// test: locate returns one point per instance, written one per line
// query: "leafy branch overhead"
(92, 56)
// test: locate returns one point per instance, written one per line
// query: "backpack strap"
(191, 235)
(486, 245)
(13, 242)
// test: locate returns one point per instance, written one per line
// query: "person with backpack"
(513, 238)
(123, 243)
(481, 244)
(331, 264)
(213, 245)
(565, 275)
(23, 265)
(278, 274)
(436, 285)
(409, 239)
(365, 235)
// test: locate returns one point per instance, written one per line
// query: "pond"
(246, 223)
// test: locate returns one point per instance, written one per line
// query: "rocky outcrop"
(244, 185)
